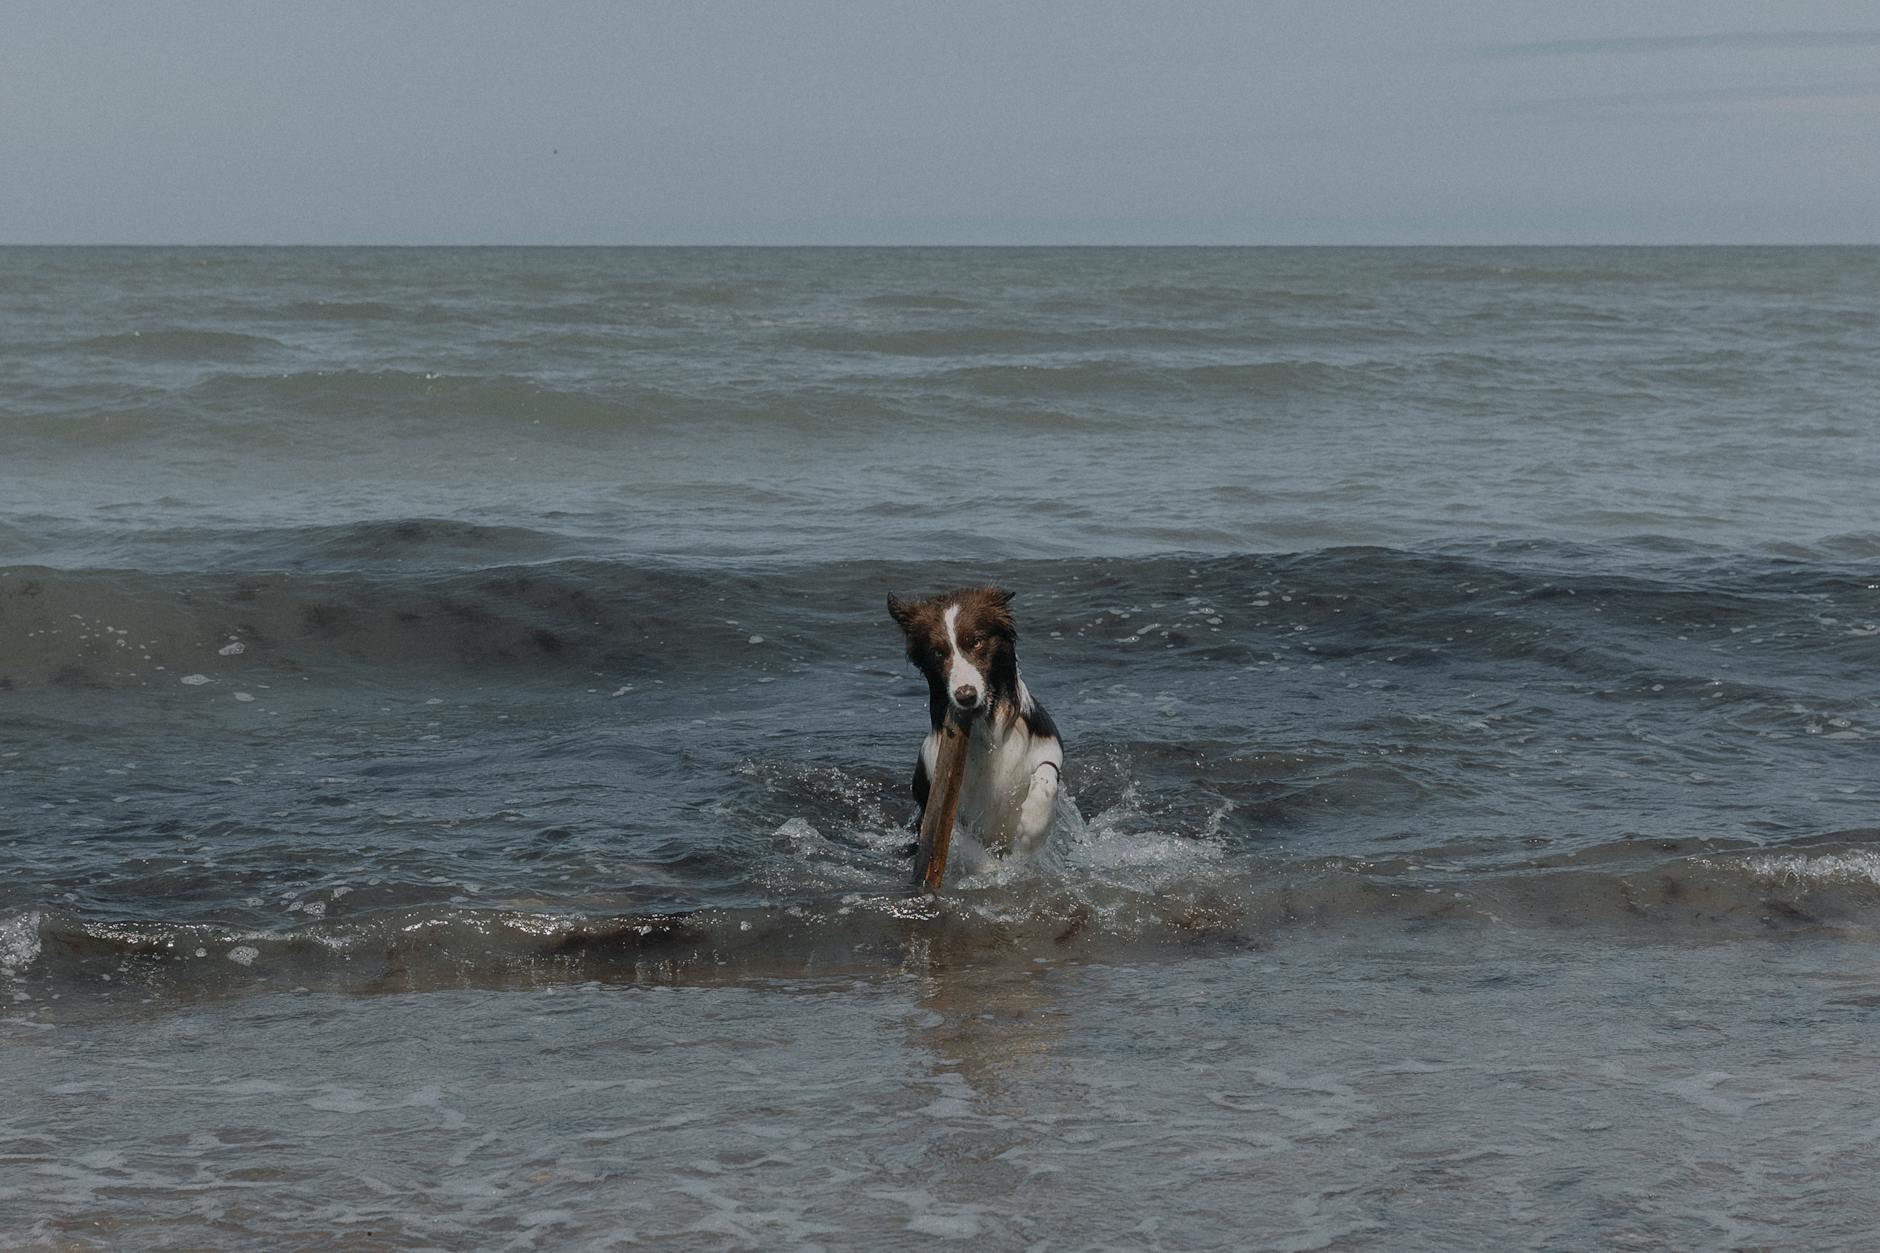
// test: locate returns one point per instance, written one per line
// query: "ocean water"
(453, 748)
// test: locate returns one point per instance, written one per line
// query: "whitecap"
(1850, 867)
(19, 942)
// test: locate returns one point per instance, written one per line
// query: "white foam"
(931, 1216)
(800, 831)
(1113, 847)
(1853, 867)
(338, 1100)
(960, 1225)
(19, 942)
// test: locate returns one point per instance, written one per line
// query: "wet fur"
(966, 641)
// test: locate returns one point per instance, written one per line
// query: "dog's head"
(966, 645)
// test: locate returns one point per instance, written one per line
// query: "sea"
(455, 756)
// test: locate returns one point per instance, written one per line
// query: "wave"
(410, 542)
(1558, 268)
(1011, 341)
(437, 414)
(1099, 908)
(406, 394)
(344, 311)
(923, 301)
(1851, 546)
(419, 594)
(1270, 380)
(105, 629)
(1215, 299)
(319, 411)
(183, 344)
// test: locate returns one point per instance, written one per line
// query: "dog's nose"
(966, 696)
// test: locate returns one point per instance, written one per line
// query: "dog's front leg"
(1039, 808)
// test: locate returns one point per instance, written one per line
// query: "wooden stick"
(943, 802)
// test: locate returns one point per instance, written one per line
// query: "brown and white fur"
(965, 644)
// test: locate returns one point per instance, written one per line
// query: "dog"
(965, 644)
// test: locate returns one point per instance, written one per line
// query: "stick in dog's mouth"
(936, 821)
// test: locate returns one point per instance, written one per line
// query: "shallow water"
(1429, 1089)
(454, 748)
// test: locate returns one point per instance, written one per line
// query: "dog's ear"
(998, 610)
(902, 611)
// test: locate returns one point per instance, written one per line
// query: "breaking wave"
(1166, 897)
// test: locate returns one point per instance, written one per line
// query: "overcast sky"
(940, 121)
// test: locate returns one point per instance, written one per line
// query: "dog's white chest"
(998, 774)
(1000, 765)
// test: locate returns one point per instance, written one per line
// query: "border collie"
(964, 642)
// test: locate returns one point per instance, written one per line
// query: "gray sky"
(940, 121)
